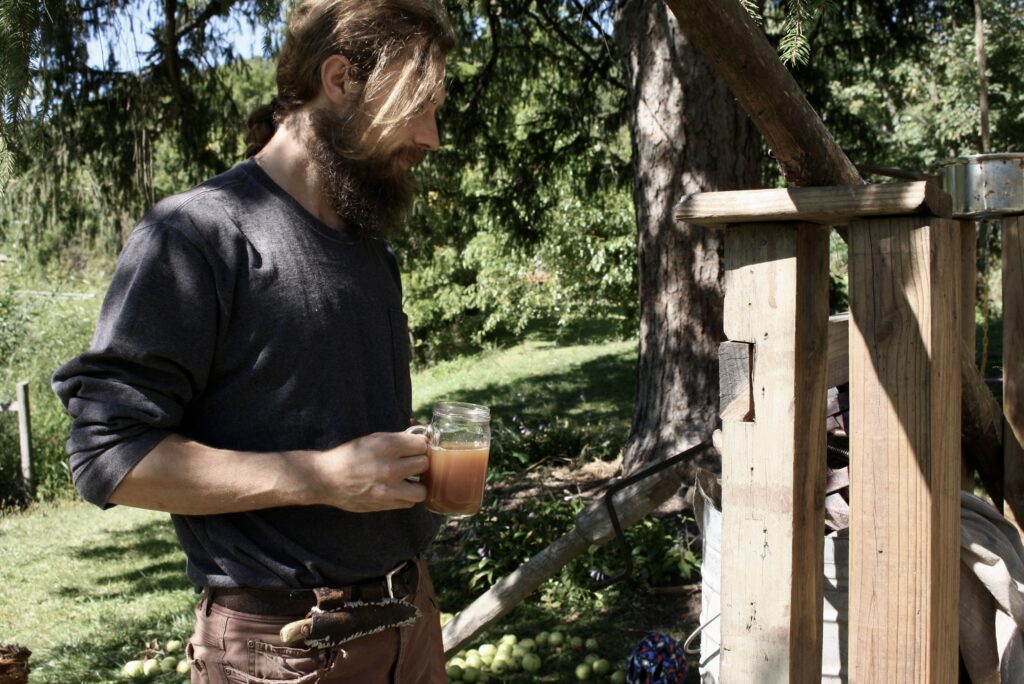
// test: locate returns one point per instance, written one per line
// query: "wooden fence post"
(1013, 365)
(905, 466)
(968, 301)
(21, 406)
(25, 441)
(773, 465)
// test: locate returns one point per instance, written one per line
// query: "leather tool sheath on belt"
(340, 616)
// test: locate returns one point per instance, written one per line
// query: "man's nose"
(426, 136)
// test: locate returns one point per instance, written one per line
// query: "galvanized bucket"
(985, 185)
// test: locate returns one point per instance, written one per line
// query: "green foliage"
(897, 83)
(800, 16)
(18, 43)
(502, 537)
(38, 332)
(527, 212)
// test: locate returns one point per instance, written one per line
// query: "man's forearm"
(189, 478)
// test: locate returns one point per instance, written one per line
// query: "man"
(250, 370)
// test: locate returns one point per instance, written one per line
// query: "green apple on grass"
(133, 668)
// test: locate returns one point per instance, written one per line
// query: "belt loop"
(208, 601)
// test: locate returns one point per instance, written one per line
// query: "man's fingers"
(411, 465)
(405, 444)
(413, 492)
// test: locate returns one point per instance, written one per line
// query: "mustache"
(412, 154)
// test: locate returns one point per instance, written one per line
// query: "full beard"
(372, 196)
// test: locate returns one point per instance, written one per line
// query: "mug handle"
(418, 430)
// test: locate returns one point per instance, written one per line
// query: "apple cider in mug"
(460, 441)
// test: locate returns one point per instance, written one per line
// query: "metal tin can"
(985, 185)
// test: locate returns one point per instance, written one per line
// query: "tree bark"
(688, 136)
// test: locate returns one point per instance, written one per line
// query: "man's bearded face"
(373, 196)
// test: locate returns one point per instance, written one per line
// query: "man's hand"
(371, 473)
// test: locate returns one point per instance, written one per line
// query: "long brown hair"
(374, 35)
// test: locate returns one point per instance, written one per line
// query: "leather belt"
(397, 584)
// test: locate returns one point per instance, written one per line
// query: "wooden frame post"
(25, 441)
(1013, 366)
(905, 465)
(968, 302)
(773, 465)
(21, 406)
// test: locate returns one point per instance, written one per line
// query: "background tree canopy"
(526, 212)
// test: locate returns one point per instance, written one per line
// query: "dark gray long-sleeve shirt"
(237, 319)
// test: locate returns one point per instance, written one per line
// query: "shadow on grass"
(602, 387)
(564, 414)
(148, 557)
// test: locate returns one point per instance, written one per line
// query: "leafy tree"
(526, 210)
(100, 139)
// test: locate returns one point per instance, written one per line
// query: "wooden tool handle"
(297, 631)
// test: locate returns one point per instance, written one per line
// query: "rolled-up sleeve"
(149, 359)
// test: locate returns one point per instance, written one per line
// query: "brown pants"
(229, 647)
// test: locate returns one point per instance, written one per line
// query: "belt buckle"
(389, 578)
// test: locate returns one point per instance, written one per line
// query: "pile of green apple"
(155, 663)
(488, 662)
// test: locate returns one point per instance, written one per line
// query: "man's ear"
(336, 79)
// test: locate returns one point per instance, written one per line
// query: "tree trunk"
(688, 136)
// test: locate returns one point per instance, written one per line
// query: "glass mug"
(459, 444)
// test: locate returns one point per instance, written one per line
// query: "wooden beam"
(826, 205)
(1013, 367)
(741, 55)
(25, 441)
(838, 372)
(968, 301)
(735, 372)
(773, 466)
(981, 427)
(736, 361)
(904, 460)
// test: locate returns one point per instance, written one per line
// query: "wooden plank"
(735, 363)
(981, 427)
(735, 371)
(838, 350)
(827, 205)
(25, 441)
(1013, 367)
(773, 466)
(968, 301)
(904, 461)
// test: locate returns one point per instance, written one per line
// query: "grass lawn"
(83, 588)
(87, 590)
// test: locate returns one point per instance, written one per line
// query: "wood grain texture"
(838, 372)
(773, 465)
(826, 205)
(735, 371)
(968, 301)
(905, 472)
(1013, 367)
